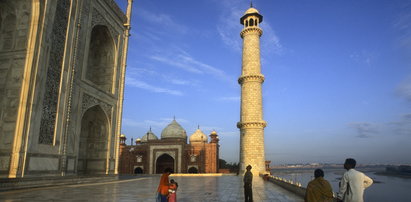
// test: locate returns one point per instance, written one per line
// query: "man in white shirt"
(353, 183)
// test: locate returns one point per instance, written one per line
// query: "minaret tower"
(251, 123)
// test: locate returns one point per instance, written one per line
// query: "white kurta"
(353, 184)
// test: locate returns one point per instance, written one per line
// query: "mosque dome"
(122, 135)
(198, 136)
(251, 10)
(149, 136)
(173, 130)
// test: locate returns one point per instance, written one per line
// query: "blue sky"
(338, 76)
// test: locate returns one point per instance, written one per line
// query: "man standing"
(318, 189)
(248, 187)
(353, 183)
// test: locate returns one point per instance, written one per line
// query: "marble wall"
(46, 50)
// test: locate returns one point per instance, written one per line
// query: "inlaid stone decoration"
(139, 159)
(50, 100)
(193, 158)
(89, 101)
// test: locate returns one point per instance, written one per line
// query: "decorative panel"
(54, 69)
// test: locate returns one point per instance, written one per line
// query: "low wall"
(294, 187)
(201, 174)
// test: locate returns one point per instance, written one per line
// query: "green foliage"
(233, 167)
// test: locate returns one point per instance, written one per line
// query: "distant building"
(151, 155)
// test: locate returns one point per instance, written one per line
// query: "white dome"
(251, 10)
(173, 130)
(198, 136)
(149, 136)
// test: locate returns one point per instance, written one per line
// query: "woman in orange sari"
(162, 189)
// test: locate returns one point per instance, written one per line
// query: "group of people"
(352, 185)
(167, 190)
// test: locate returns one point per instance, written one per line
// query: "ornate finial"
(198, 126)
(174, 117)
(251, 3)
(150, 128)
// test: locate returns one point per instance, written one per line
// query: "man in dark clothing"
(248, 188)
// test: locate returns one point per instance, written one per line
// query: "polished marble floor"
(191, 189)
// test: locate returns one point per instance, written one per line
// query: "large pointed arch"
(101, 58)
(93, 144)
(163, 162)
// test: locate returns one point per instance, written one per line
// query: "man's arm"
(367, 181)
(343, 186)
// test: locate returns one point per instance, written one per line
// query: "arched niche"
(138, 170)
(164, 161)
(100, 65)
(1, 20)
(93, 144)
(8, 32)
(192, 170)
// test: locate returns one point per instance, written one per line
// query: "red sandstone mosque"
(151, 155)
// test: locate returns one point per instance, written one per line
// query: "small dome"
(122, 135)
(173, 130)
(251, 10)
(213, 132)
(138, 140)
(198, 136)
(149, 136)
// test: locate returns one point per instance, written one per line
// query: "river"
(384, 189)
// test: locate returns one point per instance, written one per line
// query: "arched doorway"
(92, 154)
(193, 170)
(164, 161)
(100, 67)
(138, 170)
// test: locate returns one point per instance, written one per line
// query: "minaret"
(251, 123)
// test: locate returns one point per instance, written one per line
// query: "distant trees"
(233, 167)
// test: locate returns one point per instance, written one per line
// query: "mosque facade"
(152, 155)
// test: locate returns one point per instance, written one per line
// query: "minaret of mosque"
(251, 123)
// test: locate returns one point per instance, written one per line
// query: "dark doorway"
(164, 161)
(193, 170)
(138, 170)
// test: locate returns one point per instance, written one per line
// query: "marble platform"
(143, 188)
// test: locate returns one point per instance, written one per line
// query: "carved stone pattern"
(50, 100)
(98, 19)
(259, 124)
(117, 10)
(259, 78)
(251, 30)
(90, 101)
